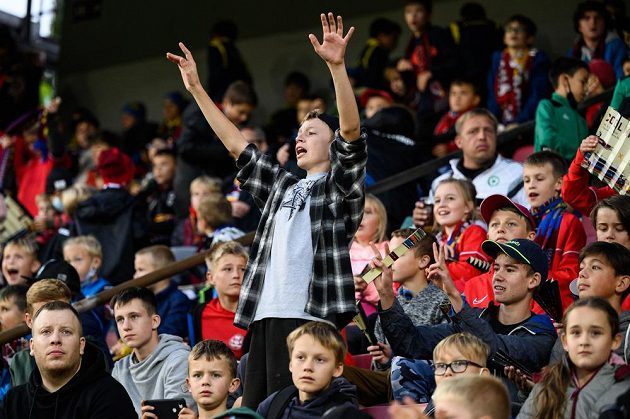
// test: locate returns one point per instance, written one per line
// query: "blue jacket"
(538, 87)
(172, 307)
(615, 51)
(530, 343)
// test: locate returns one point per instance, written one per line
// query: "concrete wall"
(270, 57)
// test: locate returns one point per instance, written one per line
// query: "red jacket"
(576, 191)
(564, 268)
(468, 245)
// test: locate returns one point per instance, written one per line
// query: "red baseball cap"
(369, 93)
(494, 202)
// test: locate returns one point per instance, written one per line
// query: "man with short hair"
(490, 172)
(70, 380)
(156, 369)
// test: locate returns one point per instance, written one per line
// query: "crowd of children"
(510, 305)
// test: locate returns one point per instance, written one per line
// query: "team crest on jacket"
(493, 180)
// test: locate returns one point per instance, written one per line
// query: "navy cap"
(523, 250)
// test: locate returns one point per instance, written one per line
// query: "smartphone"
(166, 408)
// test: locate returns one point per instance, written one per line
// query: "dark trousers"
(267, 368)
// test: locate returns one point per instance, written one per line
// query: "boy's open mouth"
(299, 151)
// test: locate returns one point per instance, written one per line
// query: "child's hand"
(359, 284)
(422, 80)
(422, 214)
(589, 144)
(147, 412)
(383, 283)
(381, 352)
(441, 278)
(404, 65)
(333, 48)
(523, 383)
(187, 67)
(408, 410)
(186, 413)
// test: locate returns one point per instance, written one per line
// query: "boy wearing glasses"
(517, 80)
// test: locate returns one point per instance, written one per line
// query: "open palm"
(333, 48)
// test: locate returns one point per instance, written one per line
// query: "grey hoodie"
(162, 375)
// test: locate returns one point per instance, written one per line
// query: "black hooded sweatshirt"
(92, 393)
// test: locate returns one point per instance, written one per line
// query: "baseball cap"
(494, 202)
(370, 93)
(523, 250)
(61, 270)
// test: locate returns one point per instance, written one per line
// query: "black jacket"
(92, 393)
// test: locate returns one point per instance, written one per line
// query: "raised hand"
(589, 144)
(333, 46)
(441, 278)
(187, 67)
(383, 283)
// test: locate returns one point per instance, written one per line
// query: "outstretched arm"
(332, 50)
(227, 132)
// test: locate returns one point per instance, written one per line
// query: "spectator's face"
(375, 104)
(626, 68)
(197, 192)
(227, 275)
(369, 223)
(516, 36)
(312, 367)
(588, 338)
(252, 137)
(609, 228)
(57, 344)
(143, 265)
(80, 259)
(405, 267)
(238, 114)
(450, 206)
(396, 82)
(477, 140)
(577, 83)
(304, 106)
(597, 278)
(45, 208)
(507, 225)
(462, 97)
(210, 381)
(388, 41)
(17, 262)
(127, 121)
(10, 314)
(416, 17)
(82, 133)
(511, 281)
(592, 26)
(163, 170)
(292, 93)
(135, 324)
(169, 110)
(451, 354)
(541, 185)
(311, 146)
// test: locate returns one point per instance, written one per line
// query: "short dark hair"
(557, 162)
(617, 255)
(212, 350)
(527, 23)
(226, 28)
(384, 26)
(591, 6)
(59, 306)
(299, 79)
(239, 93)
(166, 152)
(128, 294)
(565, 65)
(17, 293)
(618, 203)
(427, 4)
(463, 81)
(424, 246)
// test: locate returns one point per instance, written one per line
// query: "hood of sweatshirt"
(340, 393)
(146, 371)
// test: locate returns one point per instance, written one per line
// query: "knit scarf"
(548, 218)
(511, 81)
(453, 239)
(420, 53)
(446, 122)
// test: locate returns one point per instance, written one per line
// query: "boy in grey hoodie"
(155, 369)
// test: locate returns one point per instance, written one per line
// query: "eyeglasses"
(457, 367)
(515, 28)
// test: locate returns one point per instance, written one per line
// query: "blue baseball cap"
(522, 250)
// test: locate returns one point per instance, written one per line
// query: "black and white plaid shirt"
(336, 209)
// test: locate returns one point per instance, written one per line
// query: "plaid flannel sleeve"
(257, 173)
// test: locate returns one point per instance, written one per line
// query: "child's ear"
(563, 340)
(28, 320)
(209, 278)
(155, 321)
(234, 385)
(531, 235)
(338, 370)
(35, 265)
(558, 184)
(616, 342)
(534, 281)
(476, 101)
(188, 384)
(97, 262)
(623, 282)
(424, 262)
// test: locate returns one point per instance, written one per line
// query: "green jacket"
(559, 127)
(622, 90)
